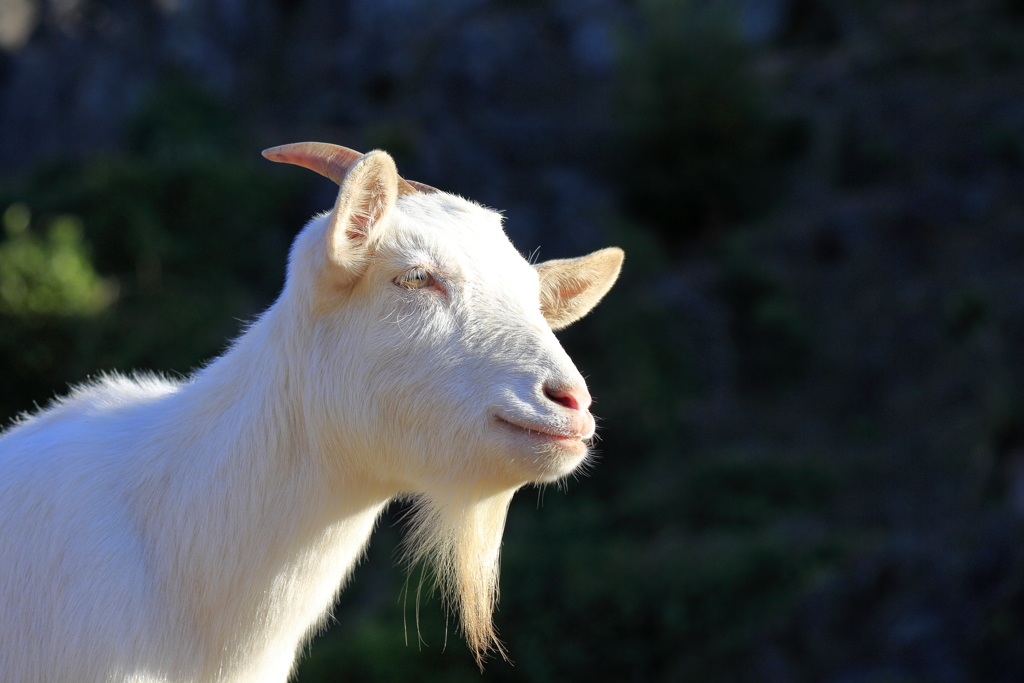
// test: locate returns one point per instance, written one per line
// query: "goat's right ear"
(366, 198)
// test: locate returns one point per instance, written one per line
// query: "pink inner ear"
(366, 213)
(569, 287)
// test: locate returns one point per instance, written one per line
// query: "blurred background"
(810, 376)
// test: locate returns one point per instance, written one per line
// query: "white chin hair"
(555, 462)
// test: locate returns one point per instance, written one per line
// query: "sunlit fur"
(199, 530)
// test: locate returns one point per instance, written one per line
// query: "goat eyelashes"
(416, 278)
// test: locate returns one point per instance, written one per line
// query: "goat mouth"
(542, 431)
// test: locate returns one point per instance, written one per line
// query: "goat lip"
(539, 430)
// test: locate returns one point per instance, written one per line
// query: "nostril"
(571, 399)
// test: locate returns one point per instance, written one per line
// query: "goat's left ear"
(569, 288)
(366, 198)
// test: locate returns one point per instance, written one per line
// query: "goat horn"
(330, 161)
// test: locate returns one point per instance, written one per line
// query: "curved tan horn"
(330, 161)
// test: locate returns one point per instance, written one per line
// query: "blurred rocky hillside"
(811, 375)
(490, 99)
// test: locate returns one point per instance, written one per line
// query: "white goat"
(199, 531)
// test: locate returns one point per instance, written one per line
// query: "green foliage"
(773, 340)
(741, 494)
(701, 148)
(645, 598)
(51, 276)
(1006, 146)
(374, 649)
(182, 120)
(190, 233)
(966, 313)
(396, 136)
(865, 158)
(810, 23)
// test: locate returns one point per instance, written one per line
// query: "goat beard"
(459, 535)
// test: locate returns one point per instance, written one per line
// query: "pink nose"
(573, 398)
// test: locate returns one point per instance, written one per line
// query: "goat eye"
(417, 278)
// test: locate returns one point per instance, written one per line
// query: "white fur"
(154, 530)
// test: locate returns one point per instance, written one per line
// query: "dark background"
(810, 375)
